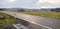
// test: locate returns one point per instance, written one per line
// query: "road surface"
(41, 21)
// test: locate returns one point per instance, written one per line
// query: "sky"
(31, 4)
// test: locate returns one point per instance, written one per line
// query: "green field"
(55, 15)
(6, 21)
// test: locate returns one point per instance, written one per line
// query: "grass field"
(6, 21)
(55, 15)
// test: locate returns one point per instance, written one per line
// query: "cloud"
(48, 3)
(18, 4)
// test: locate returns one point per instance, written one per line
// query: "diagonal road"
(41, 21)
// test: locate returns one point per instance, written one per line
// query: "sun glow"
(12, 0)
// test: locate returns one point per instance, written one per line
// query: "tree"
(1, 9)
(22, 10)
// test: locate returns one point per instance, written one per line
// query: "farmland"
(55, 15)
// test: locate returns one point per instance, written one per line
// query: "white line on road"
(39, 24)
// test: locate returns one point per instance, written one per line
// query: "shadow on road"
(23, 22)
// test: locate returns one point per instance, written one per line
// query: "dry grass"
(7, 22)
(45, 14)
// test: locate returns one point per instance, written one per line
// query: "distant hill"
(35, 10)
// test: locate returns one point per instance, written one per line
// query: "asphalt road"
(40, 21)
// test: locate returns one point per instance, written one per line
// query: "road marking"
(39, 24)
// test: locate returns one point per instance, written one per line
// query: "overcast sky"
(32, 4)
